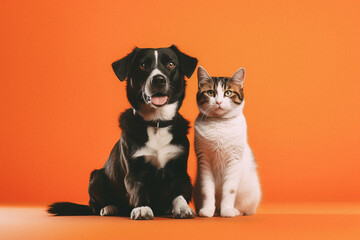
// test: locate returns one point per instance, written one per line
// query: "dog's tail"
(69, 209)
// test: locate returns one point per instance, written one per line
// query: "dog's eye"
(171, 65)
(210, 93)
(142, 66)
(227, 93)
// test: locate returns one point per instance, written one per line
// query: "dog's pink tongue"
(159, 100)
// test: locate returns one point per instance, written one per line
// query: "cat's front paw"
(206, 212)
(229, 212)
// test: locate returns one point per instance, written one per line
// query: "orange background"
(60, 100)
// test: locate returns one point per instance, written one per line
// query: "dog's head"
(155, 79)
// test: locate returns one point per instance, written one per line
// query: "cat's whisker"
(205, 112)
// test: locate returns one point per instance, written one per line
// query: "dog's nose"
(158, 81)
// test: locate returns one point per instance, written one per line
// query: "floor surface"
(273, 221)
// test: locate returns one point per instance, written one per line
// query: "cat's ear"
(203, 76)
(239, 77)
(122, 67)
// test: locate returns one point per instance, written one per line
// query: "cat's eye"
(142, 66)
(171, 65)
(210, 93)
(227, 93)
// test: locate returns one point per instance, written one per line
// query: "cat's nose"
(219, 102)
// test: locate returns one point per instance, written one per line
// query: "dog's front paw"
(206, 212)
(183, 212)
(109, 210)
(142, 213)
(229, 212)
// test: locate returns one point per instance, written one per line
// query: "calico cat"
(227, 182)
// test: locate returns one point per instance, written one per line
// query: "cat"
(227, 182)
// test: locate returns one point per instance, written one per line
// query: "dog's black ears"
(187, 63)
(121, 67)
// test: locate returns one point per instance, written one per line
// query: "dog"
(146, 172)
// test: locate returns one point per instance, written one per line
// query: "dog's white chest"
(158, 149)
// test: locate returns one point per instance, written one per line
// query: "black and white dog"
(146, 172)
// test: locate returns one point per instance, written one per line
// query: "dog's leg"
(142, 213)
(96, 191)
(109, 210)
(181, 188)
(182, 195)
(99, 194)
(139, 199)
(181, 209)
(137, 188)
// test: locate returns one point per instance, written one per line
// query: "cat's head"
(220, 96)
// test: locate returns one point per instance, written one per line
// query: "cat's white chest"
(158, 150)
(211, 135)
(221, 132)
(220, 140)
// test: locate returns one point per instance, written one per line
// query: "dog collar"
(159, 123)
(156, 123)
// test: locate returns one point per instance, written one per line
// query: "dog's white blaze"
(154, 72)
(158, 150)
(156, 58)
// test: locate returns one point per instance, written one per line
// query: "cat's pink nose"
(219, 102)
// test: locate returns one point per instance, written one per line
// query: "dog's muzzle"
(158, 91)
